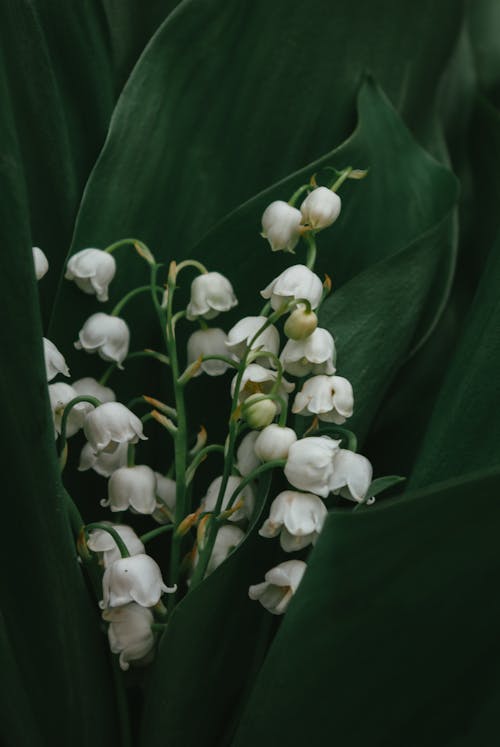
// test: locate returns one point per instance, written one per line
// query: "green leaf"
(392, 637)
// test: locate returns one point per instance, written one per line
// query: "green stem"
(137, 354)
(341, 179)
(119, 542)
(199, 458)
(275, 463)
(121, 704)
(124, 301)
(64, 423)
(191, 263)
(155, 533)
(311, 249)
(298, 192)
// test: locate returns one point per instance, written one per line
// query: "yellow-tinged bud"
(300, 324)
(259, 411)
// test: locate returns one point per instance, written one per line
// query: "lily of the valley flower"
(130, 633)
(107, 335)
(274, 442)
(54, 360)
(60, 395)
(91, 388)
(295, 282)
(240, 337)
(281, 583)
(227, 539)
(310, 464)
(300, 324)
(297, 517)
(103, 463)
(41, 262)
(102, 543)
(166, 493)
(315, 354)
(206, 342)
(352, 475)
(246, 458)
(112, 424)
(328, 397)
(321, 208)
(92, 270)
(132, 487)
(281, 226)
(209, 502)
(211, 293)
(259, 380)
(135, 579)
(259, 411)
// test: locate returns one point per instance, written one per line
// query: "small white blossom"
(295, 282)
(274, 442)
(329, 397)
(241, 335)
(209, 502)
(166, 494)
(92, 270)
(135, 579)
(279, 586)
(316, 354)
(41, 262)
(297, 517)
(60, 395)
(130, 633)
(321, 208)
(205, 342)
(259, 380)
(281, 226)
(310, 464)
(102, 543)
(103, 463)
(246, 458)
(107, 335)
(211, 293)
(91, 388)
(133, 487)
(227, 539)
(54, 360)
(352, 475)
(112, 424)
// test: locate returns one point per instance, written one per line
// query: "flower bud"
(135, 579)
(257, 379)
(321, 208)
(106, 335)
(132, 487)
(258, 411)
(300, 324)
(281, 226)
(294, 283)
(92, 270)
(41, 262)
(205, 342)
(129, 632)
(211, 293)
(112, 424)
(54, 361)
(274, 442)
(279, 586)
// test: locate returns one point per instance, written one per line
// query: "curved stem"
(64, 423)
(131, 294)
(275, 463)
(119, 542)
(155, 533)
(311, 249)
(191, 263)
(344, 174)
(199, 458)
(137, 354)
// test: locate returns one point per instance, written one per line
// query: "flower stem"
(199, 458)
(119, 542)
(311, 250)
(155, 533)
(63, 451)
(128, 297)
(344, 174)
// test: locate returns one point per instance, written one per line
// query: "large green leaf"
(392, 636)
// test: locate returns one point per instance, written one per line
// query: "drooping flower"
(259, 380)
(107, 335)
(41, 262)
(132, 487)
(246, 458)
(54, 360)
(300, 324)
(274, 442)
(240, 337)
(206, 342)
(135, 579)
(310, 464)
(295, 282)
(102, 543)
(297, 517)
(92, 270)
(352, 475)
(211, 293)
(103, 463)
(130, 633)
(112, 424)
(60, 395)
(321, 208)
(227, 539)
(166, 494)
(315, 354)
(329, 397)
(209, 502)
(281, 583)
(92, 388)
(281, 226)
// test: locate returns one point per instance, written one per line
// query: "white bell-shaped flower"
(166, 494)
(60, 395)
(329, 397)
(102, 543)
(246, 458)
(300, 324)
(135, 579)
(112, 424)
(107, 335)
(132, 487)
(259, 380)
(240, 337)
(316, 354)
(209, 502)
(91, 388)
(352, 475)
(211, 293)
(310, 464)
(103, 463)
(281, 583)
(129, 633)
(227, 539)
(54, 360)
(295, 282)
(281, 226)
(92, 270)
(274, 442)
(41, 262)
(297, 517)
(321, 208)
(205, 342)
